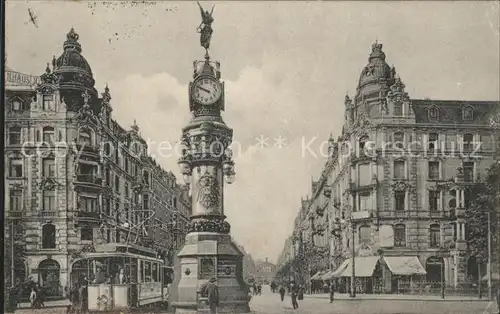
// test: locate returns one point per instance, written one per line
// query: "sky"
(287, 67)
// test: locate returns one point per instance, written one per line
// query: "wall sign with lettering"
(19, 78)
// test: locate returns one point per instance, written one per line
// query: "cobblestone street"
(269, 303)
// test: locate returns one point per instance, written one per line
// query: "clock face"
(206, 91)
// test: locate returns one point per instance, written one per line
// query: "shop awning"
(364, 266)
(327, 275)
(404, 265)
(336, 273)
(317, 276)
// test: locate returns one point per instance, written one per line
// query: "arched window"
(145, 175)
(48, 102)
(400, 235)
(84, 137)
(362, 144)
(433, 141)
(15, 135)
(399, 138)
(435, 235)
(398, 109)
(49, 236)
(468, 140)
(48, 134)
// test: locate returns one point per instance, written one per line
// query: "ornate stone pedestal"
(206, 255)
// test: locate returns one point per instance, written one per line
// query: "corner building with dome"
(76, 180)
(398, 175)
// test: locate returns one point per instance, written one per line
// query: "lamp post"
(489, 257)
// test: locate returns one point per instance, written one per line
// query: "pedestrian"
(213, 294)
(282, 292)
(332, 291)
(33, 298)
(40, 296)
(293, 291)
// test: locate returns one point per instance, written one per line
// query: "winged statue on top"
(205, 28)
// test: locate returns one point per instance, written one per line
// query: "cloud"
(263, 202)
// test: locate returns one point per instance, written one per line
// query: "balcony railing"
(87, 178)
(47, 213)
(88, 217)
(88, 149)
(14, 214)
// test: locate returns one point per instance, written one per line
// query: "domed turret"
(71, 68)
(376, 77)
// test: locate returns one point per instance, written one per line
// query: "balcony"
(361, 215)
(90, 217)
(88, 150)
(14, 214)
(47, 213)
(88, 180)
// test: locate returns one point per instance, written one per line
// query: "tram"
(121, 277)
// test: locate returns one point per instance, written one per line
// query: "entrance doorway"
(434, 266)
(49, 277)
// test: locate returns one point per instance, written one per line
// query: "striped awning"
(336, 273)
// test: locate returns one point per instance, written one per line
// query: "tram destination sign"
(20, 78)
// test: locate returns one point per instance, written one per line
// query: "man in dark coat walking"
(332, 291)
(294, 293)
(213, 295)
(282, 292)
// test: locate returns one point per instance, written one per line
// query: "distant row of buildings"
(75, 178)
(393, 188)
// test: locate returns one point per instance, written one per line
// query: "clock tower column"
(206, 163)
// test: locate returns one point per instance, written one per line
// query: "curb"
(397, 299)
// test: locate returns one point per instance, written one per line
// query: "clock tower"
(208, 254)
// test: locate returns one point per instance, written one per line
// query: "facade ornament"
(16, 186)
(467, 113)
(85, 115)
(48, 78)
(209, 225)
(205, 28)
(433, 113)
(208, 191)
(48, 184)
(400, 186)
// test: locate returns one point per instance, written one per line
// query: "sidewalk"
(48, 304)
(396, 297)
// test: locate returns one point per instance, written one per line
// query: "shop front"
(377, 274)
